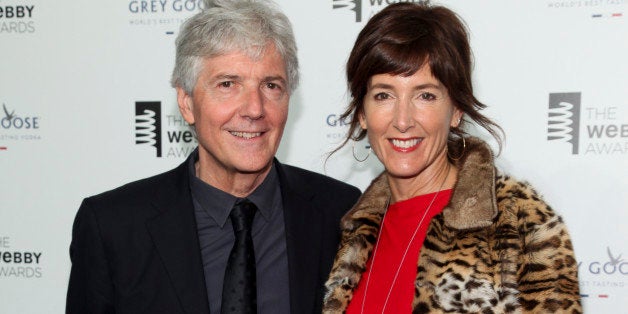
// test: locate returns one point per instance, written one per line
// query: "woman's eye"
(427, 96)
(381, 96)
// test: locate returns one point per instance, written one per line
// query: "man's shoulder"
(142, 191)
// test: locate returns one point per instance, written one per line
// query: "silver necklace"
(404, 253)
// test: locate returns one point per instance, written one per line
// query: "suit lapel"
(303, 232)
(174, 234)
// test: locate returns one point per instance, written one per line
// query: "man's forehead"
(253, 52)
(239, 63)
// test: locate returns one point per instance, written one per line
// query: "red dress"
(399, 225)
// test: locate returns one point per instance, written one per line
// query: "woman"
(440, 230)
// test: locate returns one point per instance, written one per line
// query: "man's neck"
(233, 182)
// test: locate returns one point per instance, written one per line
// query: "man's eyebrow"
(233, 77)
(274, 78)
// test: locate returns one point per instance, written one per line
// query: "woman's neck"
(442, 176)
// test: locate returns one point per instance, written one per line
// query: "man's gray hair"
(225, 26)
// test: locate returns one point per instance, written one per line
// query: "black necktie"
(239, 293)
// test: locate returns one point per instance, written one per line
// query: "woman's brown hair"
(399, 40)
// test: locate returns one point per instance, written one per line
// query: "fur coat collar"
(495, 248)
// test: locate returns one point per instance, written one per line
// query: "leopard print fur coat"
(495, 248)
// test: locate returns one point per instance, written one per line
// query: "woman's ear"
(456, 118)
(362, 120)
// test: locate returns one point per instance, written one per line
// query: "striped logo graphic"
(563, 119)
(353, 5)
(148, 124)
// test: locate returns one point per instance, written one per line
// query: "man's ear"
(185, 105)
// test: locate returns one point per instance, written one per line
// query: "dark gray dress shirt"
(211, 208)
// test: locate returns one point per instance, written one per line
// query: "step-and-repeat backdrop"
(76, 76)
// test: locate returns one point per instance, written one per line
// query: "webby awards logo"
(589, 129)
(367, 8)
(19, 262)
(150, 126)
(17, 19)
(563, 119)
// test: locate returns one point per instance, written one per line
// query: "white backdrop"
(72, 73)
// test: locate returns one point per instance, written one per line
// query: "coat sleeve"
(548, 272)
(90, 289)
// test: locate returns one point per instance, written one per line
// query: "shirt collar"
(218, 204)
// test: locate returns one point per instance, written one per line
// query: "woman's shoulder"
(524, 203)
(510, 188)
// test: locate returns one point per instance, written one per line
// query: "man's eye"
(272, 86)
(278, 87)
(226, 84)
(273, 91)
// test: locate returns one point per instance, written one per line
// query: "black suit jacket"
(135, 249)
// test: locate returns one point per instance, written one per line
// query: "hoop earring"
(464, 147)
(356, 157)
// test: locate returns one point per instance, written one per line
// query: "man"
(165, 244)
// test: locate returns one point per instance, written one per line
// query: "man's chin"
(254, 168)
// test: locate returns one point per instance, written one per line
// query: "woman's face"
(407, 119)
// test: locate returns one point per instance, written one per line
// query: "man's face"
(239, 107)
